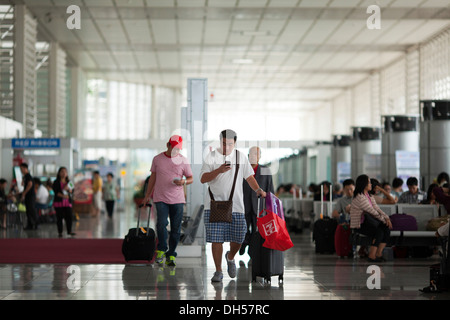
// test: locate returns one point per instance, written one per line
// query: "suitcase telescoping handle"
(148, 205)
(260, 199)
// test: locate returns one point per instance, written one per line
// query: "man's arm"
(186, 181)
(189, 180)
(150, 186)
(27, 188)
(255, 186)
(389, 199)
(209, 176)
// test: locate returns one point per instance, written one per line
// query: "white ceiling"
(304, 52)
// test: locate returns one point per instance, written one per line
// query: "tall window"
(117, 110)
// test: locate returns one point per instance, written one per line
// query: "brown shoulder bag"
(222, 211)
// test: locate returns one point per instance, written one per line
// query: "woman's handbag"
(370, 220)
(21, 207)
(222, 211)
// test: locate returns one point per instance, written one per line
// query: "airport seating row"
(300, 213)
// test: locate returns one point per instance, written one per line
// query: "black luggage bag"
(323, 235)
(140, 243)
(440, 272)
(265, 262)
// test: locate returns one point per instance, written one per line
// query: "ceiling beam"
(270, 13)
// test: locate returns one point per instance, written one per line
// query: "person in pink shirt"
(62, 202)
(170, 171)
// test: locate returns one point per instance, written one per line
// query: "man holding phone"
(169, 173)
(218, 170)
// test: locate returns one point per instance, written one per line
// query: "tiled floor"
(308, 276)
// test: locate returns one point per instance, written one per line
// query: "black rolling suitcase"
(323, 235)
(265, 262)
(140, 243)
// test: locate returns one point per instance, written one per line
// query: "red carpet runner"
(73, 251)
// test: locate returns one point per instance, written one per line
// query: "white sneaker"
(231, 266)
(217, 277)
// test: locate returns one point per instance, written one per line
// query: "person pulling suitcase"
(170, 172)
(224, 169)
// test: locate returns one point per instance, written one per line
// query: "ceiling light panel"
(216, 31)
(164, 31)
(146, 60)
(160, 3)
(112, 31)
(130, 3)
(190, 31)
(191, 3)
(138, 31)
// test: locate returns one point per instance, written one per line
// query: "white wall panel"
(393, 88)
(435, 68)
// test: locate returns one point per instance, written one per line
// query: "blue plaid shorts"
(220, 232)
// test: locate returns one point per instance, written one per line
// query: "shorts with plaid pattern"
(219, 232)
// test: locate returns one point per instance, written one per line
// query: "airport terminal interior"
(328, 90)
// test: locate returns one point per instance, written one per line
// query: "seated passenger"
(443, 197)
(386, 186)
(312, 190)
(342, 208)
(338, 191)
(431, 198)
(326, 192)
(442, 179)
(397, 187)
(413, 195)
(380, 195)
(368, 219)
(284, 191)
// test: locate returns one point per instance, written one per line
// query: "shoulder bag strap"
(234, 182)
(210, 194)
(235, 176)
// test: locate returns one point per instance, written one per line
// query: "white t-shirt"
(42, 195)
(443, 230)
(222, 184)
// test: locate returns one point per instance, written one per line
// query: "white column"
(194, 120)
(24, 69)
(57, 91)
(77, 102)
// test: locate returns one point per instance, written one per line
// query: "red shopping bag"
(272, 228)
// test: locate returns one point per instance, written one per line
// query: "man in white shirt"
(41, 194)
(218, 170)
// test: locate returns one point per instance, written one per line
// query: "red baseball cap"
(176, 141)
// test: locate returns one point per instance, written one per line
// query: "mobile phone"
(228, 163)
